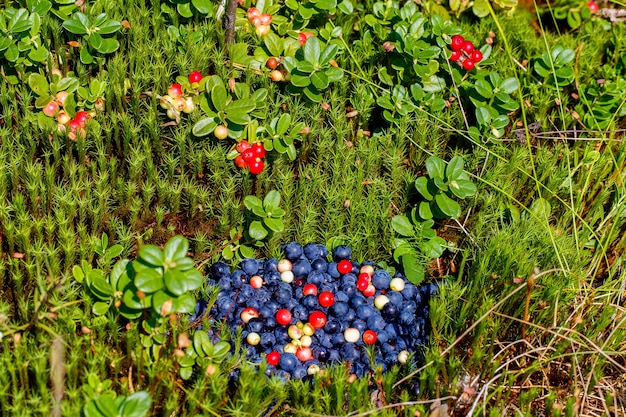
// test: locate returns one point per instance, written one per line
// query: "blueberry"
(225, 305)
(254, 303)
(238, 277)
(395, 298)
(262, 294)
(332, 326)
(349, 290)
(400, 344)
(270, 265)
(390, 311)
(382, 336)
(310, 302)
(381, 279)
(225, 283)
(316, 278)
(409, 291)
(300, 313)
(270, 323)
(364, 311)
(301, 268)
(338, 340)
(339, 309)
(288, 362)
(342, 252)
(409, 306)
(349, 352)
(268, 340)
(281, 335)
(332, 270)
(299, 372)
(349, 278)
(293, 251)
(255, 325)
(392, 330)
(341, 296)
(319, 265)
(387, 348)
(322, 354)
(357, 300)
(360, 325)
(250, 266)
(376, 322)
(334, 355)
(282, 295)
(315, 251)
(220, 270)
(349, 316)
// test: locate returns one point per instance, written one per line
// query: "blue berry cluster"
(304, 312)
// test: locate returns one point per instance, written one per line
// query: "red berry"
(256, 167)
(248, 313)
(468, 64)
(272, 63)
(276, 76)
(81, 117)
(593, 6)
(304, 354)
(309, 289)
(468, 47)
(362, 284)
(344, 266)
(253, 12)
(74, 125)
(283, 316)
(259, 150)
(457, 42)
(326, 299)
(369, 337)
(266, 19)
(242, 146)
(175, 90)
(249, 155)
(273, 358)
(477, 56)
(369, 291)
(455, 55)
(365, 276)
(51, 109)
(317, 319)
(240, 162)
(301, 38)
(195, 77)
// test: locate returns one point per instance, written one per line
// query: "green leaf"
(299, 80)
(151, 255)
(312, 50)
(436, 167)
(283, 124)
(100, 308)
(434, 247)
(75, 26)
(448, 206)
(346, 7)
(176, 248)
(108, 46)
(454, 168)
(312, 94)
(483, 88)
(275, 225)
(482, 116)
(12, 53)
(219, 97)
(257, 231)
(85, 56)
(421, 184)
(78, 273)
(184, 304)
(95, 41)
(136, 405)
(509, 85)
(204, 127)
(39, 84)
(175, 281)
(203, 6)
(462, 188)
(238, 111)
(319, 80)
(185, 373)
(254, 204)
(329, 53)
(107, 405)
(130, 300)
(19, 22)
(108, 27)
(148, 280)
(274, 44)
(272, 199)
(326, 4)
(424, 210)
(413, 271)
(401, 224)
(202, 344)
(184, 9)
(334, 74)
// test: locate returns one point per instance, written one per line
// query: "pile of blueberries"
(304, 312)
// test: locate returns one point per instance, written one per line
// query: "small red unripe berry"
(593, 6)
(455, 55)
(253, 12)
(81, 117)
(175, 90)
(477, 56)
(266, 19)
(51, 109)
(259, 150)
(369, 337)
(272, 63)
(242, 146)
(344, 266)
(468, 64)
(239, 161)
(256, 166)
(273, 358)
(276, 76)
(249, 155)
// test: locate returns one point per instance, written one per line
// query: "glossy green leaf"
(109, 27)
(421, 184)
(448, 206)
(184, 304)
(274, 44)
(219, 97)
(238, 111)
(319, 80)
(401, 224)
(436, 167)
(136, 405)
(184, 9)
(275, 225)
(39, 84)
(454, 168)
(203, 6)
(204, 126)
(75, 26)
(257, 231)
(176, 248)
(148, 280)
(272, 199)
(424, 210)
(151, 255)
(413, 271)
(312, 50)
(100, 308)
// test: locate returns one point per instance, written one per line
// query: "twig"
(229, 23)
